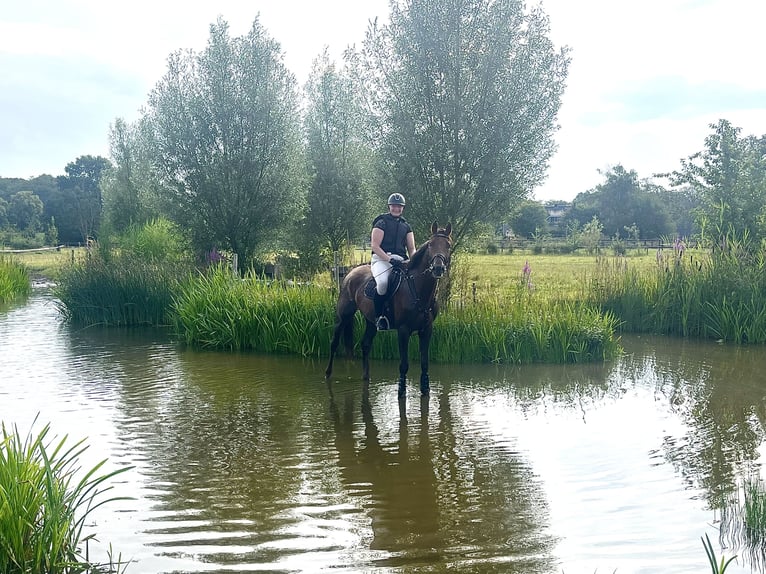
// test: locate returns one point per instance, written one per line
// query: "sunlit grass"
(45, 503)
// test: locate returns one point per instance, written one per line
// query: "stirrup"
(382, 323)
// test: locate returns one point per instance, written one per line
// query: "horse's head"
(439, 247)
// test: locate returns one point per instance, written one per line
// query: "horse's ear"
(434, 228)
(448, 229)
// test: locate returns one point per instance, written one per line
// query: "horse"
(413, 306)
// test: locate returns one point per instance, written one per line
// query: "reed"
(219, 310)
(119, 290)
(14, 279)
(44, 503)
(719, 294)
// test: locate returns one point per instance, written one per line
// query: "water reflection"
(245, 462)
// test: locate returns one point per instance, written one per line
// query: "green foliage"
(218, 310)
(158, 240)
(622, 202)
(339, 163)
(24, 211)
(131, 188)
(529, 218)
(118, 289)
(45, 502)
(14, 279)
(78, 203)
(225, 139)
(716, 567)
(465, 116)
(591, 234)
(729, 178)
(716, 295)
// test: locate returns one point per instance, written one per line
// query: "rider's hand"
(395, 262)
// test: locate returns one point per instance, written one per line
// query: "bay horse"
(413, 304)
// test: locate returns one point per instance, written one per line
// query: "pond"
(245, 462)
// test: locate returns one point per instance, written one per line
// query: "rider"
(392, 240)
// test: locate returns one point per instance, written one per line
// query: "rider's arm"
(376, 237)
(411, 243)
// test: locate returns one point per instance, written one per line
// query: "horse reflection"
(397, 483)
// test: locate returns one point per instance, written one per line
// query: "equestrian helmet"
(396, 199)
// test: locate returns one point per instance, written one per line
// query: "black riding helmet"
(396, 199)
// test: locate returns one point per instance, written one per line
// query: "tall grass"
(14, 279)
(121, 290)
(719, 294)
(218, 310)
(44, 504)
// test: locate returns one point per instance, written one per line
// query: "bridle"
(438, 271)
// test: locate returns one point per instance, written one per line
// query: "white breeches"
(380, 271)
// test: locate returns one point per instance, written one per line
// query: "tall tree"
(529, 217)
(226, 140)
(338, 159)
(24, 211)
(130, 190)
(78, 204)
(729, 178)
(621, 202)
(465, 95)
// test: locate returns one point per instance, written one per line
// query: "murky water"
(252, 463)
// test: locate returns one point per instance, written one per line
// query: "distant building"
(556, 212)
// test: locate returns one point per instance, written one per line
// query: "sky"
(645, 82)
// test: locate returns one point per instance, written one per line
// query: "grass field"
(552, 276)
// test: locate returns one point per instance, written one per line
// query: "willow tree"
(465, 95)
(338, 158)
(226, 140)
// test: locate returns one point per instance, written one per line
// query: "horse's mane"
(417, 257)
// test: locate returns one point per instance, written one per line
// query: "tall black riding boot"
(382, 321)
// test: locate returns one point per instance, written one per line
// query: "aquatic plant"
(14, 279)
(716, 566)
(219, 310)
(44, 503)
(718, 294)
(121, 290)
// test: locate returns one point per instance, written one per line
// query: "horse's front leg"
(369, 334)
(404, 363)
(424, 338)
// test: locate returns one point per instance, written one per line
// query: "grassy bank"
(220, 311)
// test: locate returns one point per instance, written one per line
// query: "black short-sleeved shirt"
(395, 230)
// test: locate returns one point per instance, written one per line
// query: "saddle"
(394, 282)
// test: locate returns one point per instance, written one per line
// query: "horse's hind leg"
(369, 334)
(341, 326)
